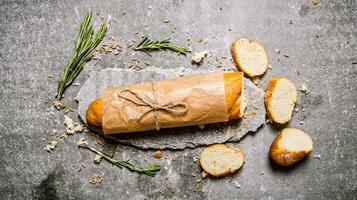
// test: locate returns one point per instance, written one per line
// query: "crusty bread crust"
(268, 100)
(206, 166)
(95, 113)
(282, 156)
(237, 59)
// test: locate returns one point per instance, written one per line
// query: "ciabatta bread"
(220, 159)
(280, 98)
(290, 146)
(250, 57)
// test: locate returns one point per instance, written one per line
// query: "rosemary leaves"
(149, 170)
(85, 45)
(148, 45)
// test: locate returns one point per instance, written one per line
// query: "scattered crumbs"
(303, 110)
(314, 2)
(193, 174)
(51, 145)
(316, 157)
(150, 7)
(204, 174)
(181, 71)
(301, 122)
(97, 159)
(270, 66)
(157, 154)
(58, 104)
(290, 21)
(82, 143)
(201, 126)
(166, 21)
(197, 58)
(195, 159)
(198, 185)
(173, 158)
(277, 51)
(96, 179)
(124, 12)
(296, 109)
(255, 80)
(72, 127)
(174, 28)
(303, 88)
(261, 173)
(236, 184)
(199, 180)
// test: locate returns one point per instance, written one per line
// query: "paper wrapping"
(203, 94)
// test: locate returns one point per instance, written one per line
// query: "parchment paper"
(173, 138)
(203, 95)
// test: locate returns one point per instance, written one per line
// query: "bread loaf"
(233, 85)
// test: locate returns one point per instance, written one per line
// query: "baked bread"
(249, 56)
(290, 146)
(280, 98)
(219, 159)
(233, 85)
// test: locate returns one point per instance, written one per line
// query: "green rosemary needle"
(147, 45)
(85, 45)
(149, 170)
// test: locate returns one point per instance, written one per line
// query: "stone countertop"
(320, 41)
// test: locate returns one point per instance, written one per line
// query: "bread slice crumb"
(249, 56)
(219, 159)
(280, 98)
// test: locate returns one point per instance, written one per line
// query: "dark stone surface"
(37, 37)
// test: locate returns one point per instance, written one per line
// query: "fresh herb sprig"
(149, 170)
(147, 45)
(85, 46)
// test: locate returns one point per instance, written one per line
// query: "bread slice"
(219, 159)
(249, 56)
(280, 98)
(290, 146)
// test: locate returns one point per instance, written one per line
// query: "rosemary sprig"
(149, 170)
(85, 45)
(147, 45)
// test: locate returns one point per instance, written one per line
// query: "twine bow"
(168, 107)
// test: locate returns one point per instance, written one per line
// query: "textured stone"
(37, 39)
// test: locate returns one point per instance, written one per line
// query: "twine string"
(171, 107)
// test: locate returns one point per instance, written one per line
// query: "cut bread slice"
(280, 98)
(249, 56)
(290, 146)
(219, 159)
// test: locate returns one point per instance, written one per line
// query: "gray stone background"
(37, 38)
